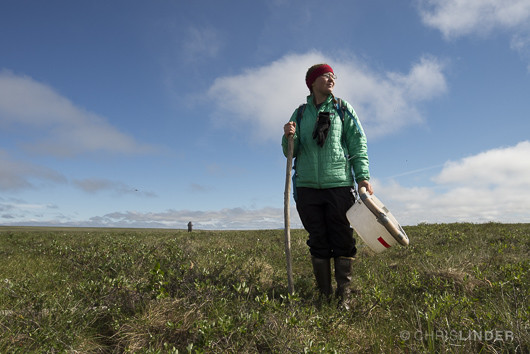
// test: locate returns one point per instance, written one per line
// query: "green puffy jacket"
(329, 166)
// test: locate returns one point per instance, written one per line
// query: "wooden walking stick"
(287, 213)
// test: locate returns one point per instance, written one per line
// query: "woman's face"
(324, 84)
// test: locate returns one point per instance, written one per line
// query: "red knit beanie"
(312, 75)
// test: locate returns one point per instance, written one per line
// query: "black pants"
(323, 214)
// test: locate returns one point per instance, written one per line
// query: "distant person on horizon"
(190, 227)
(328, 143)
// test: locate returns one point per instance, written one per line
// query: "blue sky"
(155, 113)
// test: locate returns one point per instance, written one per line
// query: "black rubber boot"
(322, 271)
(343, 276)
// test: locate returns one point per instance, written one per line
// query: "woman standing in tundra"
(328, 142)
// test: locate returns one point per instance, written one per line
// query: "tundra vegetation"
(458, 288)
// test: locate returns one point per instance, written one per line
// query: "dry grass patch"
(165, 320)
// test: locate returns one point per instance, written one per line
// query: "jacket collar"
(311, 102)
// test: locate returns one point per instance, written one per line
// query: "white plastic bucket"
(374, 228)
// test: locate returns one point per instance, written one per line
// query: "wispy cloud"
(490, 186)
(265, 97)
(225, 219)
(200, 43)
(12, 210)
(31, 107)
(96, 185)
(18, 175)
(199, 188)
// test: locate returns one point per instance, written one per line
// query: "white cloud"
(490, 186)
(387, 103)
(457, 18)
(268, 95)
(507, 167)
(63, 128)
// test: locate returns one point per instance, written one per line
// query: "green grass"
(458, 288)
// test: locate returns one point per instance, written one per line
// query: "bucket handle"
(380, 215)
